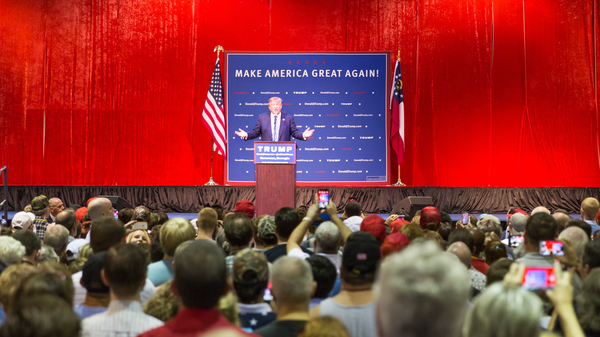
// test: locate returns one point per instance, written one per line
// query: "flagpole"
(399, 183)
(211, 182)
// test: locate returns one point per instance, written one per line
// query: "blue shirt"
(594, 225)
(84, 311)
(160, 272)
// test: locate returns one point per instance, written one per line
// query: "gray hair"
(518, 222)
(11, 250)
(291, 280)
(275, 98)
(423, 288)
(56, 237)
(47, 253)
(328, 238)
(577, 237)
(504, 311)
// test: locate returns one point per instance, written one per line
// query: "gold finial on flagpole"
(219, 49)
(398, 52)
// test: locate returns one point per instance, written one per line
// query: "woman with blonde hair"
(324, 326)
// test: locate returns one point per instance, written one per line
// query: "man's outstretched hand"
(241, 133)
(307, 133)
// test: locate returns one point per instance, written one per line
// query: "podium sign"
(275, 176)
(274, 152)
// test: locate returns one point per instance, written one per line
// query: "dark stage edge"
(190, 199)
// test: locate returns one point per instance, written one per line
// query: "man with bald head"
(589, 210)
(561, 219)
(56, 206)
(462, 251)
(100, 207)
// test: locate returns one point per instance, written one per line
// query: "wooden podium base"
(275, 187)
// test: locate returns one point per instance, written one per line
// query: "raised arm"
(298, 234)
(332, 212)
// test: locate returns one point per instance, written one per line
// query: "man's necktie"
(275, 135)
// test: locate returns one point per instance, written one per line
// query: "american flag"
(212, 115)
(397, 102)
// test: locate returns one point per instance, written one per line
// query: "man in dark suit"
(276, 123)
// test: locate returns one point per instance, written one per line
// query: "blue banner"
(342, 96)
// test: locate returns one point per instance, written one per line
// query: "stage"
(381, 200)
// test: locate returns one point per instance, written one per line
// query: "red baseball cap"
(80, 213)
(396, 225)
(430, 214)
(245, 206)
(394, 243)
(375, 225)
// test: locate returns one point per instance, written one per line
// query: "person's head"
(66, 219)
(56, 206)
(48, 253)
(250, 275)
(494, 251)
(353, 209)
(266, 230)
(591, 256)
(245, 206)
(23, 220)
(540, 227)
(238, 230)
(31, 242)
(328, 238)
(164, 305)
(142, 213)
(100, 207)
(126, 215)
(324, 326)
(91, 275)
(174, 232)
(435, 236)
(324, 273)
(587, 228)
(200, 274)
(461, 251)
(412, 231)
(286, 220)
(419, 284)
(10, 280)
(588, 302)
(106, 232)
(504, 311)
(490, 224)
(577, 237)
(124, 270)
(40, 206)
(540, 209)
(392, 243)
(46, 282)
(45, 315)
(479, 239)
(11, 250)
(430, 218)
(291, 283)
(518, 222)
(589, 208)
(463, 235)
(207, 220)
(498, 270)
(375, 225)
(561, 220)
(360, 260)
(445, 230)
(275, 105)
(56, 237)
(138, 237)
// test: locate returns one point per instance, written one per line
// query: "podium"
(275, 176)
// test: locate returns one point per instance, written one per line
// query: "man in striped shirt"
(124, 272)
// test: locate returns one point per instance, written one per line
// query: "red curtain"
(110, 92)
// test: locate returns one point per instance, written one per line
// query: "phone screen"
(536, 278)
(140, 225)
(515, 241)
(268, 297)
(116, 214)
(465, 219)
(551, 248)
(352, 199)
(323, 196)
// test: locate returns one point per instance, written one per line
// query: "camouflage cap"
(40, 202)
(250, 266)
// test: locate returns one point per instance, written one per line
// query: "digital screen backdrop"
(342, 96)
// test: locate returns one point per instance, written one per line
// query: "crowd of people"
(90, 271)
